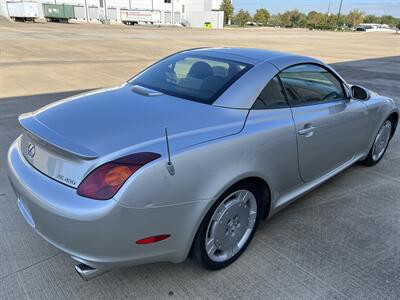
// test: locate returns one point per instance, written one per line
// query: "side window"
(310, 84)
(272, 96)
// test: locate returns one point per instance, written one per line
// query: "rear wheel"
(228, 227)
(380, 145)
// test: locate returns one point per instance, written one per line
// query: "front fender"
(379, 109)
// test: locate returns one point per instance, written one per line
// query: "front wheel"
(228, 227)
(380, 145)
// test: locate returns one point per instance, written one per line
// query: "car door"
(271, 139)
(328, 123)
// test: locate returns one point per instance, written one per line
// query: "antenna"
(170, 166)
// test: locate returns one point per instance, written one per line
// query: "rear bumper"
(101, 234)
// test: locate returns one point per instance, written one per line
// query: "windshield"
(194, 77)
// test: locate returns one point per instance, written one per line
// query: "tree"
(372, 19)
(331, 20)
(227, 7)
(261, 16)
(389, 20)
(273, 20)
(341, 21)
(284, 19)
(242, 17)
(315, 19)
(302, 21)
(292, 18)
(354, 18)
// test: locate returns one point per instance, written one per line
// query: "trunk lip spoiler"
(42, 132)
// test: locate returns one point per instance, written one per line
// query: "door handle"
(306, 130)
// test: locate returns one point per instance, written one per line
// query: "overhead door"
(79, 12)
(167, 17)
(93, 13)
(177, 17)
(112, 14)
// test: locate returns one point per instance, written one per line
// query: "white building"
(193, 13)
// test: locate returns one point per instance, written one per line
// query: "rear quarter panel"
(265, 148)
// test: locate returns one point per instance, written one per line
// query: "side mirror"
(360, 93)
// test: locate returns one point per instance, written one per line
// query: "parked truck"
(132, 17)
(58, 12)
(23, 11)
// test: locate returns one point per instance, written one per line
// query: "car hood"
(74, 135)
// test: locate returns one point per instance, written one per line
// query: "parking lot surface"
(340, 241)
(47, 58)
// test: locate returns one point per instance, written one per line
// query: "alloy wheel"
(382, 140)
(231, 225)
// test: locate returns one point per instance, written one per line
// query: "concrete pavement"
(340, 241)
(48, 58)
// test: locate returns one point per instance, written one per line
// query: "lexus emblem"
(31, 150)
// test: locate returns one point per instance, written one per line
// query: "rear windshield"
(194, 77)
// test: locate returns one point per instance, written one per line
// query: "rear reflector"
(153, 239)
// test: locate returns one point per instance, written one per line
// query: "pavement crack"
(32, 265)
(390, 177)
(307, 272)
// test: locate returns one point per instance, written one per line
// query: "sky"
(377, 7)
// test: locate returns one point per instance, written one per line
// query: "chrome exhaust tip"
(87, 273)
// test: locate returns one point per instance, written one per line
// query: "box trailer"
(23, 11)
(132, 17)
(58, 12)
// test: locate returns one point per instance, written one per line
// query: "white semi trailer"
(24, 11)
(132, 17)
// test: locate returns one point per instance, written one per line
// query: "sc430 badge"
(66, 180)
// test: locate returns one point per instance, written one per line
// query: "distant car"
(360, 28)
(190, 155)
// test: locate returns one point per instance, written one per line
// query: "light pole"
(86, 12)
(338, 15)
(172, 14)
(106, 12)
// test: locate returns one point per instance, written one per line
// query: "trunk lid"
(72, 136)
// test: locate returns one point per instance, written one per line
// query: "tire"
(378, 150)
(228, 222)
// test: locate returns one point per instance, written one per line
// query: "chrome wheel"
(381, 140)
(231, 225)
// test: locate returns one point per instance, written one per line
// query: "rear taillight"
(105, 181)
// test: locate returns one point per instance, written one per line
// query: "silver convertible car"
(190, 155)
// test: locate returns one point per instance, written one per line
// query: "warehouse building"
(191, 13)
